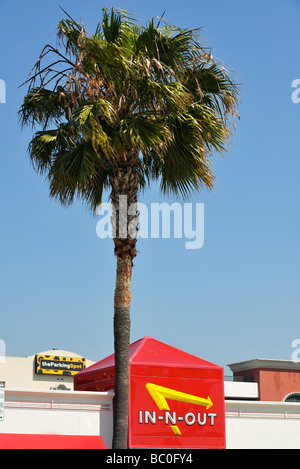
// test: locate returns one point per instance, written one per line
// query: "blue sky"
(236, 298)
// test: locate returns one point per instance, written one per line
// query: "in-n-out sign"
(181, 410)
(176, 399)
(171, 418)
(160, 395)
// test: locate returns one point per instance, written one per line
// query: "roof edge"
(259, 363)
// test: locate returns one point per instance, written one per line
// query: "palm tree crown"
(149, 91)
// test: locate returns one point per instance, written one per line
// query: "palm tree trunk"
(122, 342)
(124, 183)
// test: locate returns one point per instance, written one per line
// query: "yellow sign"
(54, 365)
(159, 394)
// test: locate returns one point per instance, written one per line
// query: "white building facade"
(46, 404)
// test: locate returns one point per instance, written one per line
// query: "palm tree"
(116, 110)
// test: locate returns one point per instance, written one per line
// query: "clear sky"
(237, 297)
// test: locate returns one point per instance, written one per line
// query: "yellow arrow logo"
(159, 394)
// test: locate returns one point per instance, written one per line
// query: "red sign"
(176, 413)
(176, 399)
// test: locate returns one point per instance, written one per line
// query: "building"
(263, 405)
(48, 370)
(40, 397)
(38, 404)
(277, 380)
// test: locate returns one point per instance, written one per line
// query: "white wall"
(249, 425)
(55, 412)
(240, 390)
(262, 425)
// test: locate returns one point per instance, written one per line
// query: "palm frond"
(151, 89)
(143, 134)
(42, 106)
